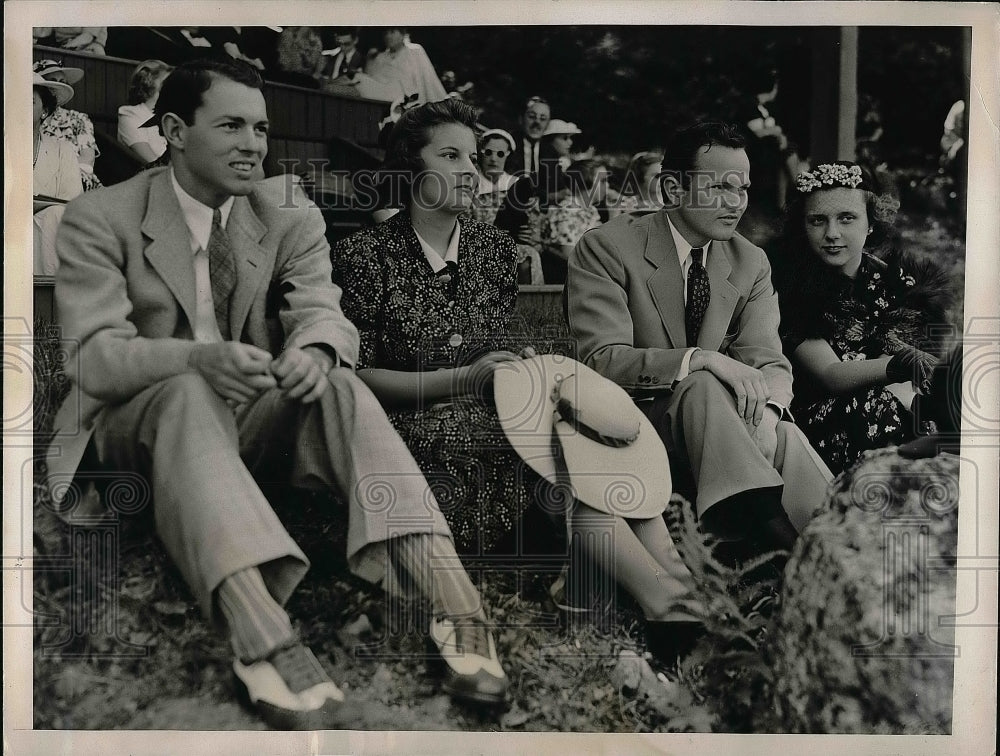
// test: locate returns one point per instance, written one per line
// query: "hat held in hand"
(552, 406)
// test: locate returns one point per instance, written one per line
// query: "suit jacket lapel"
(724, 296)
(245, 231)
(666, 284)
(169, 250)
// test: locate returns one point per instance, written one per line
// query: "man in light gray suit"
(210, 341)
(679, 308)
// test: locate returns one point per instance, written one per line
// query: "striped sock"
(437, 574)
(257, 623)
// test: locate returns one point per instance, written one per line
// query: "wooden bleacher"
(306, 125)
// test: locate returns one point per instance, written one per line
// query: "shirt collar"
(683, 246)
(198, 216)
(435, 260)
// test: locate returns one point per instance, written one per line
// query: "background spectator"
(641, 188)
(71, 124)
(300, 57)
(405, 66)
(90, 39)
(345, 59)
(143, 91)
(572, 216)
(55, 172)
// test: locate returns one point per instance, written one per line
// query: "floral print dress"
(77, 128)
(413, 319)
(872, 316)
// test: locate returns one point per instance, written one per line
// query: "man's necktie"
(698, 294)
(222, 271)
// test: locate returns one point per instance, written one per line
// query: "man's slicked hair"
(181, 92)
(683, 146)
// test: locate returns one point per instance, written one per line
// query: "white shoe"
(473, 671)
(290, 689)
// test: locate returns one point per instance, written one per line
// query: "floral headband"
(829, 175)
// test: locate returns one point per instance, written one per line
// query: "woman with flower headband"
(856, 314)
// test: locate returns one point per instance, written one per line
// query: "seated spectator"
(90, 39)
(495, 145)
(554, 157)
(345, 59)
(405, 67)
(143, 91)
(433, 296)
(521, 217)
(71, 124)
(300, 57)
(55, 173)
(572, 216)
(641, 188)
(854, 325)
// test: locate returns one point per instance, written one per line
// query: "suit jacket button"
(655, 379)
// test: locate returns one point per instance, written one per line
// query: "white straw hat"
(63, 92)
(559, 126)
(613, 455)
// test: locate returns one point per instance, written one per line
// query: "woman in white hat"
(575, 213)
(71, 124)
(495, 145)
(55, 172)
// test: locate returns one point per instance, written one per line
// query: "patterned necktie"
(698, 294)
(222, 271)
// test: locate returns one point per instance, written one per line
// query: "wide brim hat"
(63, 92)
(46, 67)
(559, 126)
(614, 459)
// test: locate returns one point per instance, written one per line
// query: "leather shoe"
(472, 669)
(290, 689)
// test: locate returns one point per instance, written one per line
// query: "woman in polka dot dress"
(432, 294)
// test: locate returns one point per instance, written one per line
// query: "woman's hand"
(912, 364)
(478, 377)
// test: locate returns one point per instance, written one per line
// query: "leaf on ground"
(514, 718)
(170, 608)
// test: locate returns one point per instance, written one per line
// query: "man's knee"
(189, 391)
(701, 386)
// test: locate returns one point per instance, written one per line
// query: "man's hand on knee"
(236, 371)
(765, 435)
(747, 383)
(301, 373)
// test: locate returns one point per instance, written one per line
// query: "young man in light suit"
(679, 308)
(209, 341)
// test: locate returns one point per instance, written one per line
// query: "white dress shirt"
(434, 259)
(199, 222)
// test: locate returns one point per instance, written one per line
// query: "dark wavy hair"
(49, 101)
(411, 133)
(682, 146)
(143, 82)
(181, 92)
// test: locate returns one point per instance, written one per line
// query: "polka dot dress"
(412, 319)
